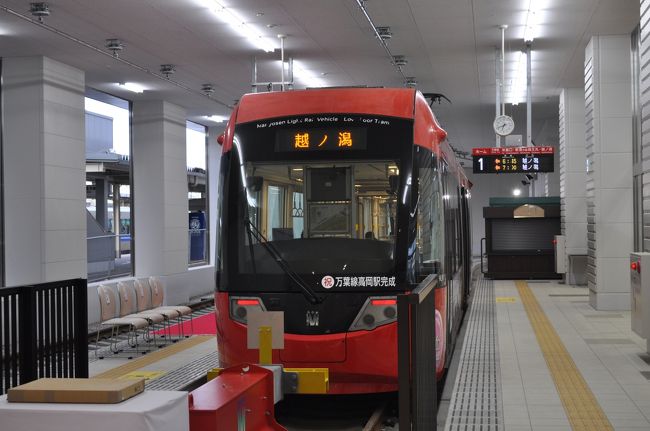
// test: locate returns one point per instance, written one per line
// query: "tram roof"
(390, 102)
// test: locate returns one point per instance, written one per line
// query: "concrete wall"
(44, 171)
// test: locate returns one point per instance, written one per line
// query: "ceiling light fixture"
(518, 86)
(309, 78)
(410, 82)
(232, 18)
(400, 60)
(516, 192)
(114, 45)
(208, 89)
(216, 118)
(531, 20)
(136, 88)
(167, 70)
(384, 32)
(39, 10)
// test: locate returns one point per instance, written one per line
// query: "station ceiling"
(449, 45)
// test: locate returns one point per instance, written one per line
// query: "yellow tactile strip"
(580, 404)
(155, 356)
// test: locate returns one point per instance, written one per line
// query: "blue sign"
(197, 236)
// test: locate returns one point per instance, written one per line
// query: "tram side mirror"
(393, 183)
(254, 184)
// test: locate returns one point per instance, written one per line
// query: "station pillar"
(573, 182)
(608, 133)
(160, 189)
(43, 144)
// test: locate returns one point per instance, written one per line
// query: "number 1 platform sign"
(513, 160)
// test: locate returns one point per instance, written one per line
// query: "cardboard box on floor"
(85, 391)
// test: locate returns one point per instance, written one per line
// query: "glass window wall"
(108, 186)
(198, 239)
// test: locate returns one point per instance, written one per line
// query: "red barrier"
(240, 398)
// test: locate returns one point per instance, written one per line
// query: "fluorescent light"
(216, 118)
(309, 78)
(238, 23)
(136, 88)
(516, 192)
(531, 20)
(518, 87)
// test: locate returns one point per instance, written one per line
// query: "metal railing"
(43, 332)
(416, 357)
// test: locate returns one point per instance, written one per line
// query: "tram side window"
(450, 216)
(429, 229)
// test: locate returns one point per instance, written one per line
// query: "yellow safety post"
(213, 373)
(266, 343)
(311, 380)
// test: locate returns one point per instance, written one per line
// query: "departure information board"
(512, 160)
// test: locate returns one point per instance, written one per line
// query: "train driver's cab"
(324, 217)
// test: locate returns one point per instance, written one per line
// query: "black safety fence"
(43, 332)
(416, 357)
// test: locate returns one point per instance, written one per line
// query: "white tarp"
(149, 411)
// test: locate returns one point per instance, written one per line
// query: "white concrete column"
(159, 189)
(44, 170)
(573, 176)
(608, 127)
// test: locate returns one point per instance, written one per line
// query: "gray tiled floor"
(601, 344)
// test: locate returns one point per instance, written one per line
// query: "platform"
(536, 356)
(175, 367)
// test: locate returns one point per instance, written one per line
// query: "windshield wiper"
(282, 263)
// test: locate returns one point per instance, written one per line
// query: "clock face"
(503, 125)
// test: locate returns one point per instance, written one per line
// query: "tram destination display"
(513, 160)
(321, 139)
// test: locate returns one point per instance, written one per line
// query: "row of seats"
(140, 308)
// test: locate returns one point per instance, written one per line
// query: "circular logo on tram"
(327, 282)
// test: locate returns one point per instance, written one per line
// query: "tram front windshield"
(320, 218)
(314, 198)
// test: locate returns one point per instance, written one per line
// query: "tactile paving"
(476, 400)
(179, 378)
(580, 404)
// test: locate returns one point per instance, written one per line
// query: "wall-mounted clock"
(503, 125)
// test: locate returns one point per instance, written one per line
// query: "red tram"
(333, 201)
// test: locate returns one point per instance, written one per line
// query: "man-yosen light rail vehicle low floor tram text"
(333, 201)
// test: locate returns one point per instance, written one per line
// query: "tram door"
(329, 203)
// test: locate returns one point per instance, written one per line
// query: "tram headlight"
(240, 306)
(376, 311)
